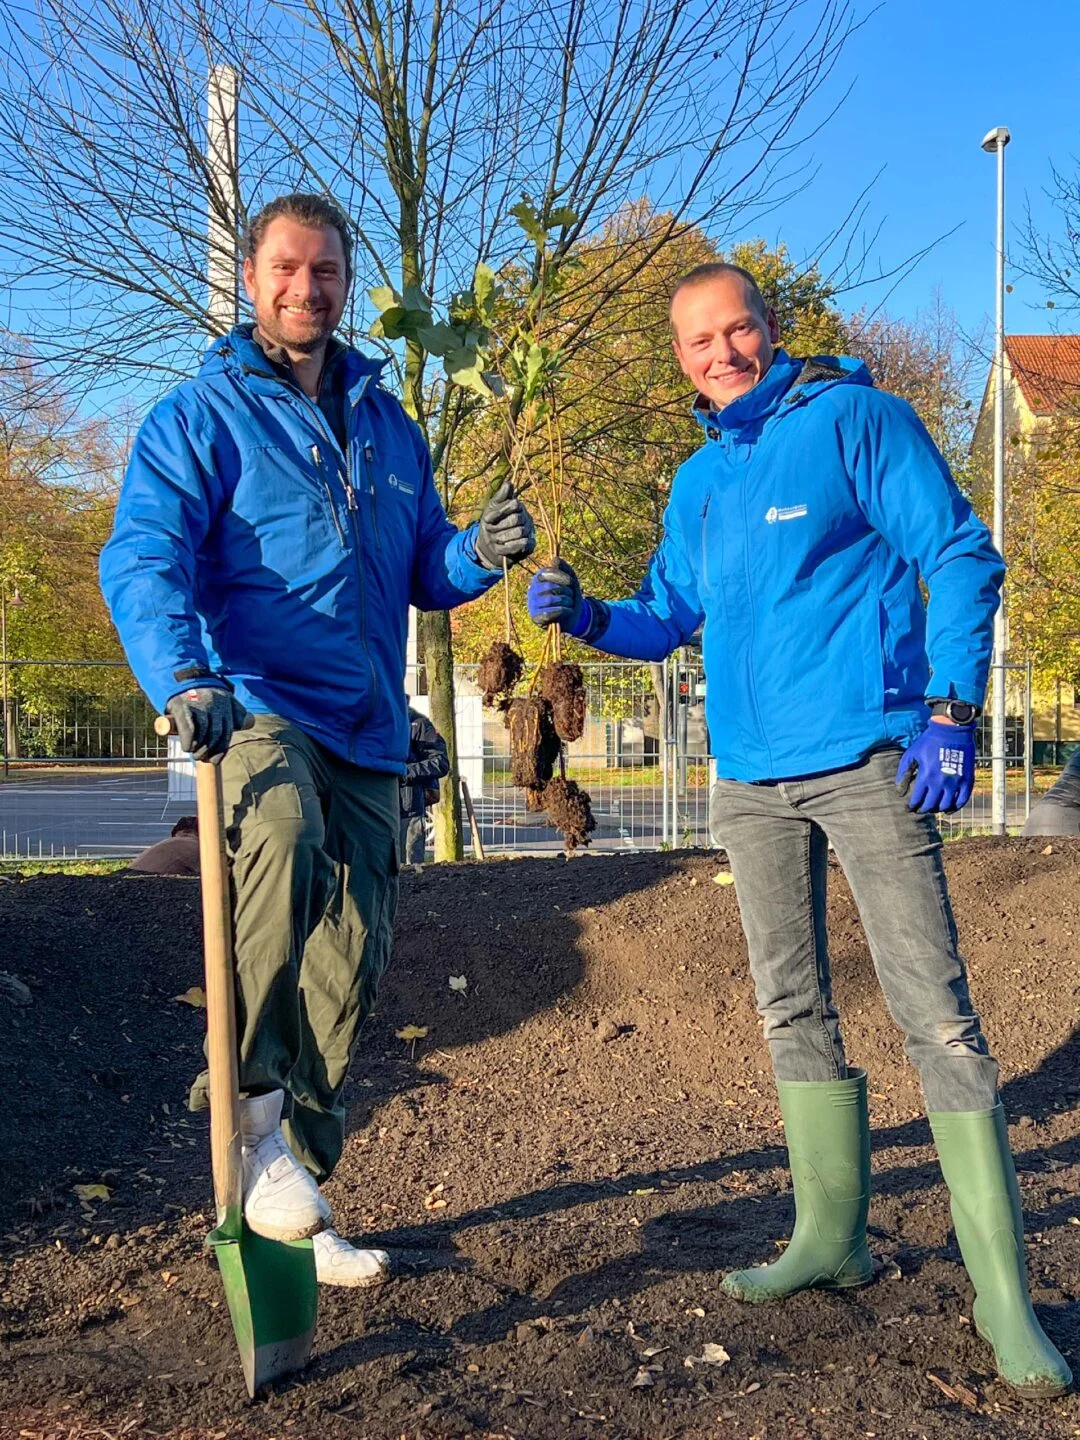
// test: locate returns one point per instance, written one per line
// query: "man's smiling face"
(298, 283)
(723, 343)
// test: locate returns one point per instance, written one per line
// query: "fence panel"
(85, 775)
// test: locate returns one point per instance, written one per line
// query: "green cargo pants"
(312, 842)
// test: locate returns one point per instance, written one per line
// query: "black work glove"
(506, 530)
(205, 719)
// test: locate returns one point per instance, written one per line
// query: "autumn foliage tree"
(58, 476)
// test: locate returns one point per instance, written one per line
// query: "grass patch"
(62, 867)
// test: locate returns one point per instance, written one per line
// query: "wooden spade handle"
(220, 990)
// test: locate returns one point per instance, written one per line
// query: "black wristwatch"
(960, 712)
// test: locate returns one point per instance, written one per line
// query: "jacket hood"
(789, 380)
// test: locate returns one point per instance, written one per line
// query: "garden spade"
(270, 1285)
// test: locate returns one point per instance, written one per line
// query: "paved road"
(92, 813)
(95, 814)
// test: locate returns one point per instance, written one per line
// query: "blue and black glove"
(205, 718)
(555, 598)
(939, 768)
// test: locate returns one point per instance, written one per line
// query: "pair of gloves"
(937, 771)
(205, 716)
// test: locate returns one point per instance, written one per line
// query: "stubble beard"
(309, 344)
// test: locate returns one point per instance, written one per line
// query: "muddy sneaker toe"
(339, 1263)
(281, 1200)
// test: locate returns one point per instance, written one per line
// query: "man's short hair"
(716, 270)
(317, 211)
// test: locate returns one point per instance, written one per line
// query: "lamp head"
(996, 139)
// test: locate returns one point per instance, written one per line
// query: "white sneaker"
(339, 1263)
(281, 1200)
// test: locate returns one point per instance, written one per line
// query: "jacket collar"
(240, 353)
(749, 410)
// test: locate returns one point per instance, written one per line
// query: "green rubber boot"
(973, 1147)
(828, 1138)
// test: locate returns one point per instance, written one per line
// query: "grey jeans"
(777, 837)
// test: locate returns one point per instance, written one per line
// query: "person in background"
(1058, 811)
(428, 762)
(179, 855)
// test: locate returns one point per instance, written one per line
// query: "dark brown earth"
(582, 1145)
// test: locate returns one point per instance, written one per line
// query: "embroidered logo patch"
(784, 512)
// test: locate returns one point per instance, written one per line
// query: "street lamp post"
(16, 603)
(994, 144)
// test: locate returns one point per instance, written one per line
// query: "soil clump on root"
(500, 670)
(569, 809)
(562, 1169)
(534, 746)
(563, 686)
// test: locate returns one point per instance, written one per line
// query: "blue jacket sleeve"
(666, 610)
(171, 494)
(445, 570)
(905, 490)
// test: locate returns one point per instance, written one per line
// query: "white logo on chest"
(784, 512)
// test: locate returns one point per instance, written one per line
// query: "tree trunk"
(439, 665)
(11, 733)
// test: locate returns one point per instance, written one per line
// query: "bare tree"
(1052, 257)
(430, 121)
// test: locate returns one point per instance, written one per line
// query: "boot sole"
(372, 1282)
(764, 1299)
(304, 1232)
(1048, 1390)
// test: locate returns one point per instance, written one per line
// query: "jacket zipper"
(753, 627)
(705, 539)
(369, 455)
(329, 495)
(351, 506)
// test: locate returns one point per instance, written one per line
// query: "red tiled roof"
(1047, 369)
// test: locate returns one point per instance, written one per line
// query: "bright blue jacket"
(798, 534)
(248, 544)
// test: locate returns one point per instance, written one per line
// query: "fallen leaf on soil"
(651, 1350)
(696, 1310)
(411, 1032)
(750, 1389)
(714, 1355)
(710, 1355)
(1048, 851)
(459, 983)
(92, 1192)
(195, 996)
(724, 878)
(586, 1336)
(642, 1379)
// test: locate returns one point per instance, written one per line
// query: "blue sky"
(930, 78)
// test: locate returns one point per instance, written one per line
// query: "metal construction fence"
(84, 775)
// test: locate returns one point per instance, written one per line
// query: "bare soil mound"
(563, 1169)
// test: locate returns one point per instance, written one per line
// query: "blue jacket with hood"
(250, 545)
(797, 535)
